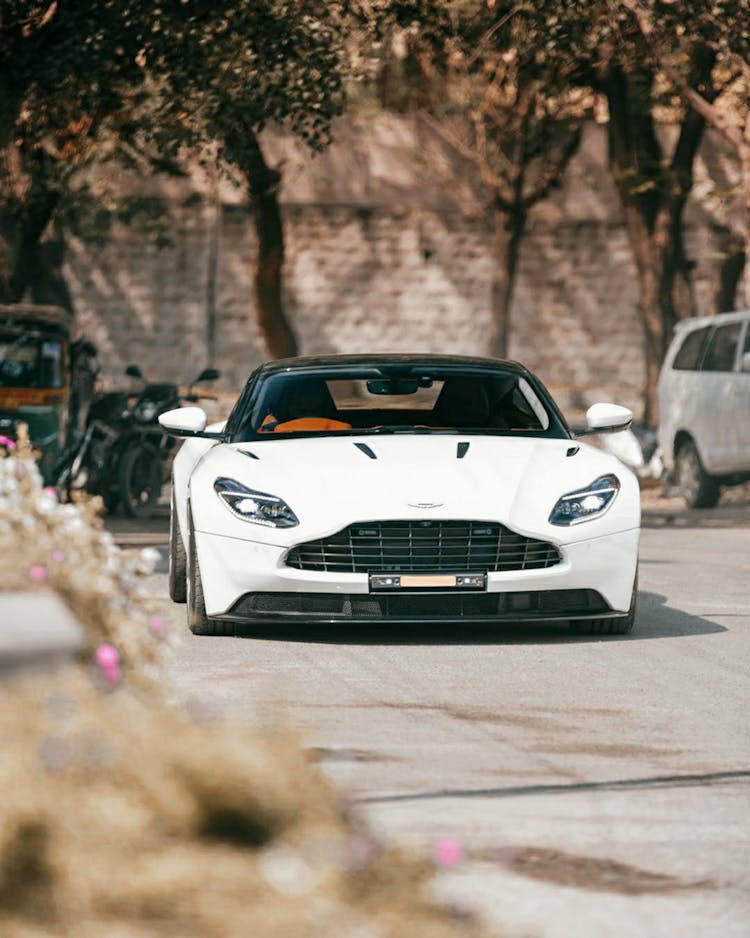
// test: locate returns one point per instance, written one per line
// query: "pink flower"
(108, 659)
(37, 573)
(7, 442)
(448, 851)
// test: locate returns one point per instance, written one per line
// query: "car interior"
(451, 401)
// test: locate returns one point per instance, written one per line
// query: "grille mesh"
(427, 606)
(416, 546)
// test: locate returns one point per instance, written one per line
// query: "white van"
(704, 406)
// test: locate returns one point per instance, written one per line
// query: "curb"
(37, 632)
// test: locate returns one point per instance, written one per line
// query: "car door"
(741, 457)
(680, 405)
(717, 418)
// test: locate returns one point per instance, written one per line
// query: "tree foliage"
(510, 121)
(505, 84)
(723, 27)
(64, 68)
(603, 49)
(143, 81)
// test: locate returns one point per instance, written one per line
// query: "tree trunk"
(23, 263)
(654, 333)
(744, 156)
(263, 182)
(730, 274)
(508, 233)
(49, 286)
(653, 197)
(649, 267)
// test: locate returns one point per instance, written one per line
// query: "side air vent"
(461, 450)
(363, 447)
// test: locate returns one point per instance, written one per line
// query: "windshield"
(390, 399)
(30, 361)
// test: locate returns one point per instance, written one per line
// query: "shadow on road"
(654, 620)
(672, 513)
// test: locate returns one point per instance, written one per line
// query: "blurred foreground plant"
(124, 816)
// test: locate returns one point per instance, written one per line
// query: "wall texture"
(383, 253)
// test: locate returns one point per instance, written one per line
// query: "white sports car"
(404, 488)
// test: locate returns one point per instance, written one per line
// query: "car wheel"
(198, 622)
(177, 558)
(695, 485)
(616, 626)
(139, 481)
(111, 500)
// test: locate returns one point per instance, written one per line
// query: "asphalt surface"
(596, 785)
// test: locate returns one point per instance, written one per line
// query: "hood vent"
(363, 447)
(572, 450)
(246, 452)
(461, 450)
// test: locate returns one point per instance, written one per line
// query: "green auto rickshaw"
(46, 379)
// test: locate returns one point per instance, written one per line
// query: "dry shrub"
(125, 818)
(122, 816)
(48, 546)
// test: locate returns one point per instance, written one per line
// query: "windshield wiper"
(406, 428)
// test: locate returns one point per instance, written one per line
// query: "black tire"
(620, 625)
(111, 499)
(139, 481)
(198, 622)
(695, 485)
(177, 558)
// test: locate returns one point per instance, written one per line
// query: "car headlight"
(258, 507)
(585, 504)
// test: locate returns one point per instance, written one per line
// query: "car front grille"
(423, 546)
(537, 604)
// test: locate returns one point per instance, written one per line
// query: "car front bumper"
(248, 581)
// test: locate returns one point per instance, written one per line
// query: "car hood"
(331, 482)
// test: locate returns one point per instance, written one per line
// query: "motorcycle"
(91, 465)
(146, 450)
(123, 454)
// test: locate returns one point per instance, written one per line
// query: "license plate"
(427, 581)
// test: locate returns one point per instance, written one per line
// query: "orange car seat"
(310, 423)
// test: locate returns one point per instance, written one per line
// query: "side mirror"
(134, 371)
(184, 421)
(605, 418)
(208, 374)
(746, 361)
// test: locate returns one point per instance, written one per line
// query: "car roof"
(719, 319)
(36, 315)
(418, 359)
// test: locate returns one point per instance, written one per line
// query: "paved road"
(597, 786)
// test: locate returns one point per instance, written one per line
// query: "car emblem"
(426, 504)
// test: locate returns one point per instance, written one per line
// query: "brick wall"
(370, 274)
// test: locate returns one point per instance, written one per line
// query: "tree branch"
(491, 180)
(551, 176)
(709, 112)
